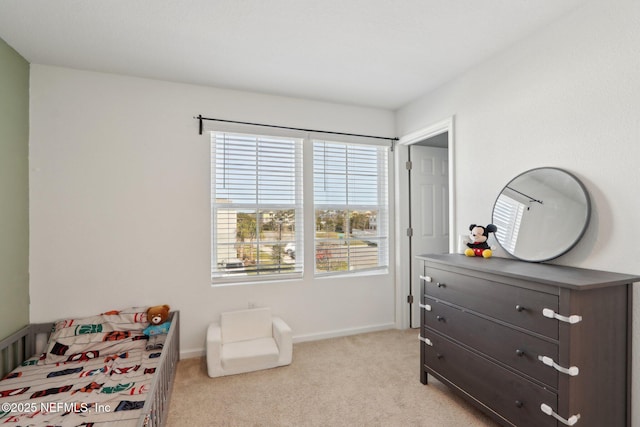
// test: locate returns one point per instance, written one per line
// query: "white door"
(429, 200)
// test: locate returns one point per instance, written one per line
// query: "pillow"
(78, 339)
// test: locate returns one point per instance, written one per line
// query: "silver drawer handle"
(427, 341)
(547, 312)
(425, 306)
(571, 421)
(573, 370)
(426, 278)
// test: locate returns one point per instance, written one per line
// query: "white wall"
(119, 205)
(567, 97)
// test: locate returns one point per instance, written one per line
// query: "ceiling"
(376, 53)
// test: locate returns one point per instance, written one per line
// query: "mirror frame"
(564, 249)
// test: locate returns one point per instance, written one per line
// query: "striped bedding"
(95, 371)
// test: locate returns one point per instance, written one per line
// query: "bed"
(91, 371)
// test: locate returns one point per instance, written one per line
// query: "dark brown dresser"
(531, 345)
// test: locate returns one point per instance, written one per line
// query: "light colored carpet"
(362, 380)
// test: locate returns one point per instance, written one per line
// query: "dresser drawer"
(503, 343)
(512, 396)
(512, 304)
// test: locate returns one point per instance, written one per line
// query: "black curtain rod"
(531, 199)
(200, 118)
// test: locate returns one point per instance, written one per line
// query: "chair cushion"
(246, 325)
(244, 356)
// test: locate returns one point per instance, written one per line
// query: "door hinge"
(410, 232)
(409, 165)
(410, 299)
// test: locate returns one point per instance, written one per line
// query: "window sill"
(222, 282)
(365, 273)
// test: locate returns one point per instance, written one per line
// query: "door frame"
(403, 242)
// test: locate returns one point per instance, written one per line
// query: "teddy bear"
(157, 316)
(479, 236)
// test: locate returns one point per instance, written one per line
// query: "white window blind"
(507, 216)
(256, 201)
(350, 183)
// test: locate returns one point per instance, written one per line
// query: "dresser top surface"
(551, 274)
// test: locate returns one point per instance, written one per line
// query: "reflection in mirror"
(541, 214)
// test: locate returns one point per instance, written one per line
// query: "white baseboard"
(343, 332)
(199, 352)
(189, 354)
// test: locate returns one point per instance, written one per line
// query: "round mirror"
(541, 214)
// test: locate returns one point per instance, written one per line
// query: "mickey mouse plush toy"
(479, 236)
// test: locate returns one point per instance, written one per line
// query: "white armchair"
(247, 340)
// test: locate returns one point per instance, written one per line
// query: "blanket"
(94, 371)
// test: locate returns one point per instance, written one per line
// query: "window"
(256, 200)
(507, 216)
(351, 207)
